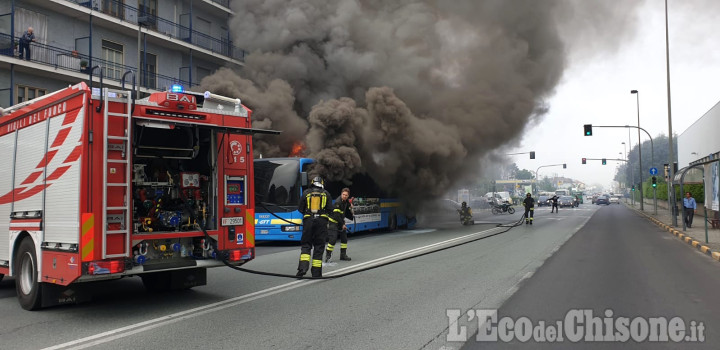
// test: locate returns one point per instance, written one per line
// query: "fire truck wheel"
(26, 280)
(156, 282)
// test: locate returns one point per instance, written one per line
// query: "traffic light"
(633, 188)
(588, 129)
(654, 181)
(584, 160)
(564, 166)
(604, 161)
(532, 155)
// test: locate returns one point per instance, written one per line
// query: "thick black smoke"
(411, 92)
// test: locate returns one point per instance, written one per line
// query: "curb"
(687, 239)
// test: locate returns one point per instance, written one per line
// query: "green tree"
(524, 175)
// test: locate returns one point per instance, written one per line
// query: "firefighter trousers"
(529, 214)
(315, 231)
(335, 232)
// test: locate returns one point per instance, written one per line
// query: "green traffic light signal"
(633, 188)
(654, 181)
(604, 161)
(588, 129)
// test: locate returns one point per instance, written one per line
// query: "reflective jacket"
(341, 211)
(529, 202)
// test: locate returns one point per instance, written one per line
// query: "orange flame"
(297, 149)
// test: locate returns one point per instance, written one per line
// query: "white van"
(501, 197)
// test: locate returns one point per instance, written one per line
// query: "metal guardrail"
(174, 30)
(71, 61)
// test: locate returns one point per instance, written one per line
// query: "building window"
(114, 8)
(26, 93)
(147, 13)
(112, 54)
(149, 79)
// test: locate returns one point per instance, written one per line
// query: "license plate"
(232, 221)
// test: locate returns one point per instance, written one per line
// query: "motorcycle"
(503, 208)
(466, 218)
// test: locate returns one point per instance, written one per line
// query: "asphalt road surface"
(620, 262)
(399, 306)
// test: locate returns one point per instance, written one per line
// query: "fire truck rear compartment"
(173, 178)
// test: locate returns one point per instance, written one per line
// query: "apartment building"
(159, 42)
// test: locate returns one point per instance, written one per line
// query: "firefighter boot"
(343, 255)
(303, 268)
(328, 254)
(316, 269)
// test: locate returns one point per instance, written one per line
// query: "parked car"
(602, 199)
(566, 201)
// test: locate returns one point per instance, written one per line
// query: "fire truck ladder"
(119, 145)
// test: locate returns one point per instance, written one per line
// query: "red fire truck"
(97, 185)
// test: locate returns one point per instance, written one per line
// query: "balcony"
(171, 29)
(71, 61)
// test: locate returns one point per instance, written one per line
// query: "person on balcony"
(25, 40)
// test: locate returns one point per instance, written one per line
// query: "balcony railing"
(178, 31)
(71, 61)
(225, 3)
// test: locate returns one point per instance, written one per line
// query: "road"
(621, 262)
(399, 306)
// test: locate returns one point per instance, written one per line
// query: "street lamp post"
(632, 174)
(671, 155)
(637, 98)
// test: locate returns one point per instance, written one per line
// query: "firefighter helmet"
(464, 204)
(317, 181)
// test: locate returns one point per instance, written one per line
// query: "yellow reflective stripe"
(317, 263)
(343, 245)
(325, 216)
(390, 205)
(304, 257)
(330, 247)
(331, 219)
(307, 215)
(324, 200)
(338, 210)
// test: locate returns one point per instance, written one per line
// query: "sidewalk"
(695, 235)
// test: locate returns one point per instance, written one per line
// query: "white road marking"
(122, 332)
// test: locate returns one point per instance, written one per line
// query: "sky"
(595, 89)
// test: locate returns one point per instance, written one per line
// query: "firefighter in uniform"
(465, 214)
(529, 204)
(343, 209)
(316, 206)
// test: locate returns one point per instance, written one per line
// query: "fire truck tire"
(27, 285)
(156, 282)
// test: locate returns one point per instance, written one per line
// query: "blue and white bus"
(279, 183)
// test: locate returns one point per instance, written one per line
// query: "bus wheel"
(27, 285)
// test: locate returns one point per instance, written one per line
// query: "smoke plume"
(412, 92)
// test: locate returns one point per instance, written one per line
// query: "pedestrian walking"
(689, 209)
